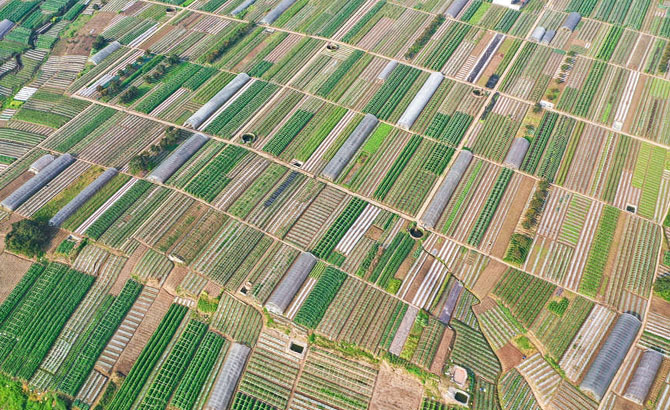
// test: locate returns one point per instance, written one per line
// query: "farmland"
(346, 205)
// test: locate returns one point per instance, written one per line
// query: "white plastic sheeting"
(455, 8)
(538, 33)
(420, 100)
(388, 69)
(350, 146)
(172, 163)
(226, 381)
(41, 163)
(446, 190)
(611, 355)
(517, 152)
(243, 6)
(105, 52)
(644, 376)
(277, 11)
(217, 101)
(35, 183)
(289, 286)
(571, 21)
(5, 27)
(78, 201)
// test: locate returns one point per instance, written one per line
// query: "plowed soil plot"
(15, 184)
(442, 352)
(395, 390)
(488, 279)
(512, 216)
(660, 306)
(509, 356)
(82, 42)
(12, 269)
(144, 331)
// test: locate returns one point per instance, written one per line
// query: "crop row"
(398, 166)
(20, 290)
(148, 358)
(312, 310)
(287, 133)
(524, 294)
(212, 179)
(339, 228)
(197, 371)
(532, 158)
(232, 117)
(174, 366)
(171, 84)
(43, 322)
(599, 252)
(490, 206)
(449, 129)
(77, 372)
(117, 209)
(394, 89)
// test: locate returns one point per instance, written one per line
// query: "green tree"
(662, 287)
(28, 237)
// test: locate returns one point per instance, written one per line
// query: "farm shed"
(538, 33)
(350, 146)
(455, 7)
(178, 158)
(289, 286)
(517, 152)
(571, 21)
(548, 36)
(81, 198)
(243, 6)
(105, 52)
(210, 107)
(388, 69)
(446, 190)
(277, 11)
(34, 184)
(644, 376)
(420, 100)
(5, 26)
(41, 163)
(226, 381)
(611, 355)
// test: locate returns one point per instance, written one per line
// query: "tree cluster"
(147, 160)
(425, 36)
(536, 205)
(662, 287)
(28, 237)
(222, 47)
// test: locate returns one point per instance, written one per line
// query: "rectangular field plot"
(370, 30)
(573, 247)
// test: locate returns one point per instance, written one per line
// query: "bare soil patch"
(175, 278)
(442, 352)
(82, 44)
(512, 217)
(144, 331)
(419, 278)
(127, 269)
(395, 389)
(660, 306)
(509, 356)
(12, 269)
(488, 278)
